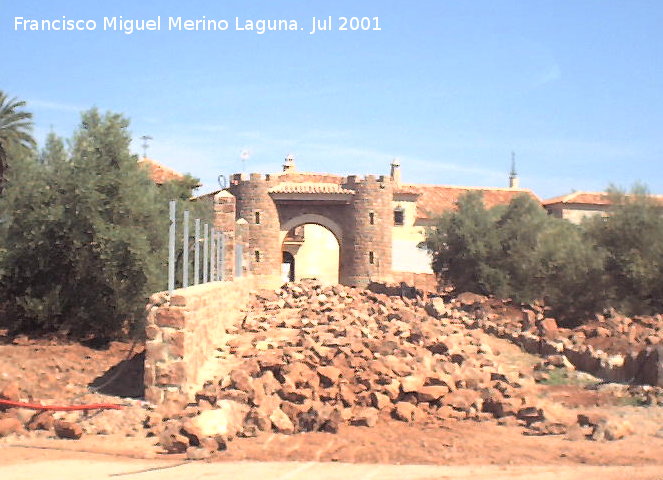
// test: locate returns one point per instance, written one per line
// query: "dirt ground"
(57, 372)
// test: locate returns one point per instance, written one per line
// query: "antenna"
(513, 164)
(145, 145)
(244, 155)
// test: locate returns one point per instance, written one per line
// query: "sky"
(451, 88)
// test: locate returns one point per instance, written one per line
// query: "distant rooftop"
(588, 198)
(159, 173)
(433, 200)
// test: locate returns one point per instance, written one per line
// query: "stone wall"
(645, 367)
(183, 330)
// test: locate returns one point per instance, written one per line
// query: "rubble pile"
(312, 358)
(611, 346)
(610, 331)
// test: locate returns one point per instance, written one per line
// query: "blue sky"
(451, 88)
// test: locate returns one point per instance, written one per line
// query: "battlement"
(367, 179)
(237, 178)
(351, 181)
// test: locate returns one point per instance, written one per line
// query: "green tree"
(15, 131)
(87, 243)
(632, 236)
(518, 251)
(54, 151)
(571, 272)
(463, 243)
(519, 228)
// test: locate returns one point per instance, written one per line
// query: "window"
(399, 216)
(257, 253)
(257, 218)
(371, 218)
(371, 258)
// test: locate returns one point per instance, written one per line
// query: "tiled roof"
(591, 198)
(588, 198)
(309, 187)
(434, 200)
(160, 173)
(306, 177)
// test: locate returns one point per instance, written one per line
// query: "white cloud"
(62, 107)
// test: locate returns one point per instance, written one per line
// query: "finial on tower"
(289, 163)
(396, 171)
(513, 175)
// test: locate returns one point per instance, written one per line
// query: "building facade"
(352, 230)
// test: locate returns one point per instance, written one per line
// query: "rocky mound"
(314, 357)
(610, 331)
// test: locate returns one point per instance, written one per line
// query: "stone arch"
(306, 255)
(305, 218)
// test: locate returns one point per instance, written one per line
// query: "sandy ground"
(53, 371)
(83, 467)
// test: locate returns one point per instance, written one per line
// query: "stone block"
(176, 341)
(178, 300)
(156, 351)
(174, 397)
(149, 376)
(154, 394)
(152, 332)
(171, 374)
(171, 317)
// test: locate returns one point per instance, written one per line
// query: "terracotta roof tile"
(307, 177)
(588, 198)
(159, 173)
(309, 187)
(434, 200)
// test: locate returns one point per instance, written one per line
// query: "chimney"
(289, 164)
(396, 172)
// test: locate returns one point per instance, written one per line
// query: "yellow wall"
(318, 256)
(576, 213)
(407, 231)
(406, 256)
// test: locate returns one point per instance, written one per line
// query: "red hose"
(61, 408)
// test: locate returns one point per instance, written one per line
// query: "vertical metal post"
(196, 254)
(171, 248)
(239, 253)
(212, 258)
(205, 253)
(185, 249)
(221, 255)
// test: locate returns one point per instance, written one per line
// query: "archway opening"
(311, 251)
(288, 267)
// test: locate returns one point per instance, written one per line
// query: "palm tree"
(15, 130)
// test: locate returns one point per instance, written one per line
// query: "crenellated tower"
(370, 222)
(255, 205)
